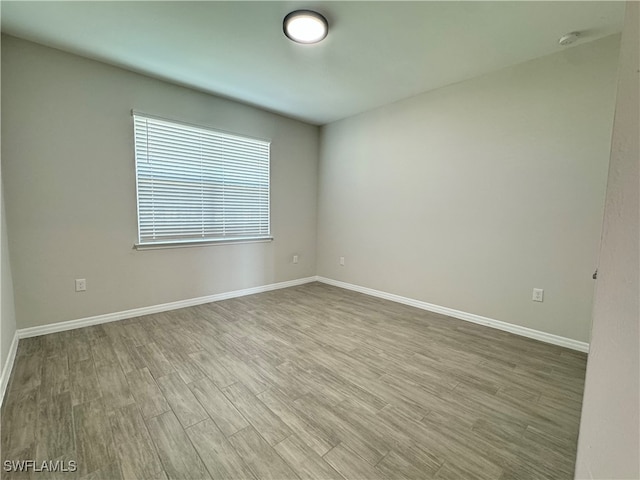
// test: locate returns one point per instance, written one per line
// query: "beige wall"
(7, 311)
(68, 168)
(470, 196)
(609, 443)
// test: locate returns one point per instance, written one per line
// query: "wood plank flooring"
(310, 382)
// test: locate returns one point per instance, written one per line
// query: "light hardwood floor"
(306, 382)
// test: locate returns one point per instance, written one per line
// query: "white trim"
(469, 317)
(199, 243)
(164, 307)
(8, 366)
(136, 312)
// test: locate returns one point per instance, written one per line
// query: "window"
(197, 185)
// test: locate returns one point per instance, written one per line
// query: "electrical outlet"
(295, 259)
(342, 261)
(538, 295)
(81, 284)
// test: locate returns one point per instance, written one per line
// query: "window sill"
(199, 243)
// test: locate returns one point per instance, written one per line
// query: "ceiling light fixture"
(305, 26)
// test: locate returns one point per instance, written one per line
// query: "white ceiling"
(375, 53)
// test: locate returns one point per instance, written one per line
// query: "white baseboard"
(8, 367)
(164, 307)
(469, 317)
(136, 312)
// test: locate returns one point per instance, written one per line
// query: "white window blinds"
(199, 185)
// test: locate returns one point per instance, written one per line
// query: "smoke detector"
(569, 38)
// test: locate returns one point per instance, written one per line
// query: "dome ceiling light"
(305, 26)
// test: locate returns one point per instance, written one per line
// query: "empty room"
(320, 240)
